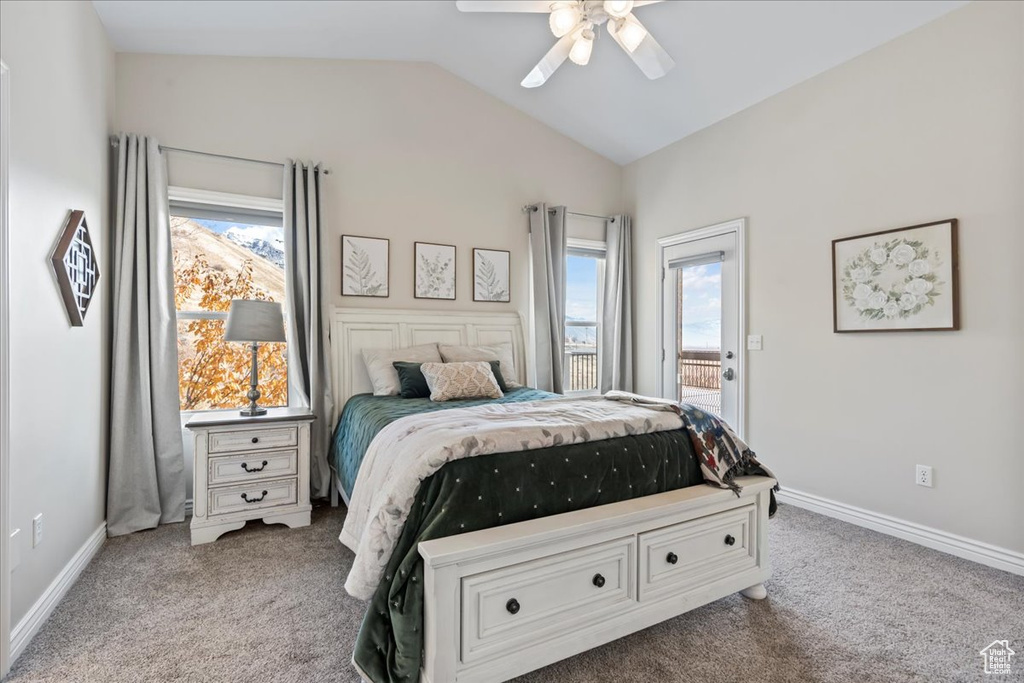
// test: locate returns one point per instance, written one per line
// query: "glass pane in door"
(699, 335)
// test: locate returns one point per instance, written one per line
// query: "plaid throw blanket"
(722, 454)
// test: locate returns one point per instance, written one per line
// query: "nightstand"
(249, 468)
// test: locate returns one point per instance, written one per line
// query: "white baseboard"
(30, 624)
(961, 546)
(188, 507)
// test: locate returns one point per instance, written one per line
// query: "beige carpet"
(267, 604)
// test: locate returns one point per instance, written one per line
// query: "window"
(224, 247)
(584, 282)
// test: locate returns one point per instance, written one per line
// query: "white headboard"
(353, 329)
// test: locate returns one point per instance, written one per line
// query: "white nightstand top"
(233, 417)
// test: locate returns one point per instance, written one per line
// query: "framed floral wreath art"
(897, 280)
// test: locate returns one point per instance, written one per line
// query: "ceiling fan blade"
(648, 55)
(551, 61)
(542, 6)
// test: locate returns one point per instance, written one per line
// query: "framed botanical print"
(491, 275)
(434, 271)
(897, 280)
(364, 266)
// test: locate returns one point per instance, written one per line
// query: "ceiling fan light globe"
(618, 8)
(582, 48)
(631, 33)
(564, 19)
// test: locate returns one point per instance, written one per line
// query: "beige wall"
(62, 98)
(927, 127)
(415, 153)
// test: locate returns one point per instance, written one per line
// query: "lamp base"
(253, 412)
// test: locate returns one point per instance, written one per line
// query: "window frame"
(177, 195)
(598, 250)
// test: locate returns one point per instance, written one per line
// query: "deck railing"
(580, 370)
(700, 379)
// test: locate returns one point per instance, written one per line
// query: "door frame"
(739, 227)
(5, 479)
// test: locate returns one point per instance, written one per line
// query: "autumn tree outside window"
(222, 253)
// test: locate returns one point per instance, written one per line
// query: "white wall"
(414, 153)
(62, 98)
(927, 127)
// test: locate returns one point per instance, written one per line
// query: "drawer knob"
(730, 539)
(671, 558)
(260, 469)
(255, 439)
(598, 580)
(247, 499)
(512, 606)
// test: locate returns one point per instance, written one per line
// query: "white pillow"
(472, 379)
(500, 352)
(382, 373)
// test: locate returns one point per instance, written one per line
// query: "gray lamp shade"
(254, 321)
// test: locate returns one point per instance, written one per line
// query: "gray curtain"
(617, 312)
(309, 355)
(547, 266)
(146, 479)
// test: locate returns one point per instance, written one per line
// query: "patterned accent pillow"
(472, 379)
(499, 352)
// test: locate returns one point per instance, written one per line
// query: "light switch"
(754, 342)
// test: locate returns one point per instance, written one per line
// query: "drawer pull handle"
(730, 539)
(598, 580)
(247, 499)
(260, 469)
(512, 606)
(255, 439)
(671, 558)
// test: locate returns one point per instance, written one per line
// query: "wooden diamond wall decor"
(74, 264)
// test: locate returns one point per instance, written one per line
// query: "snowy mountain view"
(265, 241)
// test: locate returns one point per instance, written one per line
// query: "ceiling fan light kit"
(575, 23)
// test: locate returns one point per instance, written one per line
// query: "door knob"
(728, 374)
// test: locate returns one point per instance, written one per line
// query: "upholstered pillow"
(473, 379)
(498, 352)
(379, 365)
(412, 383)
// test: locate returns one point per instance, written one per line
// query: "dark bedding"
(365, 415)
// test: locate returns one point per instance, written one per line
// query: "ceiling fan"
(575, 22)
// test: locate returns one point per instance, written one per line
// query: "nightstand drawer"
(227, 469)
(254, 496)
(253, 439)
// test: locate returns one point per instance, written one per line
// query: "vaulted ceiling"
(729, 55)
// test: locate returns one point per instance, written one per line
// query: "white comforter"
(411, 449)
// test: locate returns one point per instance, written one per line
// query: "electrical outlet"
(923, 476)
(37, 530)
(754, 342)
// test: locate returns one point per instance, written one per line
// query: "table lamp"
(254, 322)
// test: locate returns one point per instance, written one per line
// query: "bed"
(509, 561)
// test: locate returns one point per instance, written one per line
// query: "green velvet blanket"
(504, 488)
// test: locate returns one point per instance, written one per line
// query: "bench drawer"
(253, 439)
(691, 554)
(227, 469)
(550, 596)
(253, 496)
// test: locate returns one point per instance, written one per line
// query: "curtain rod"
(533, 207)
(114, 142)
